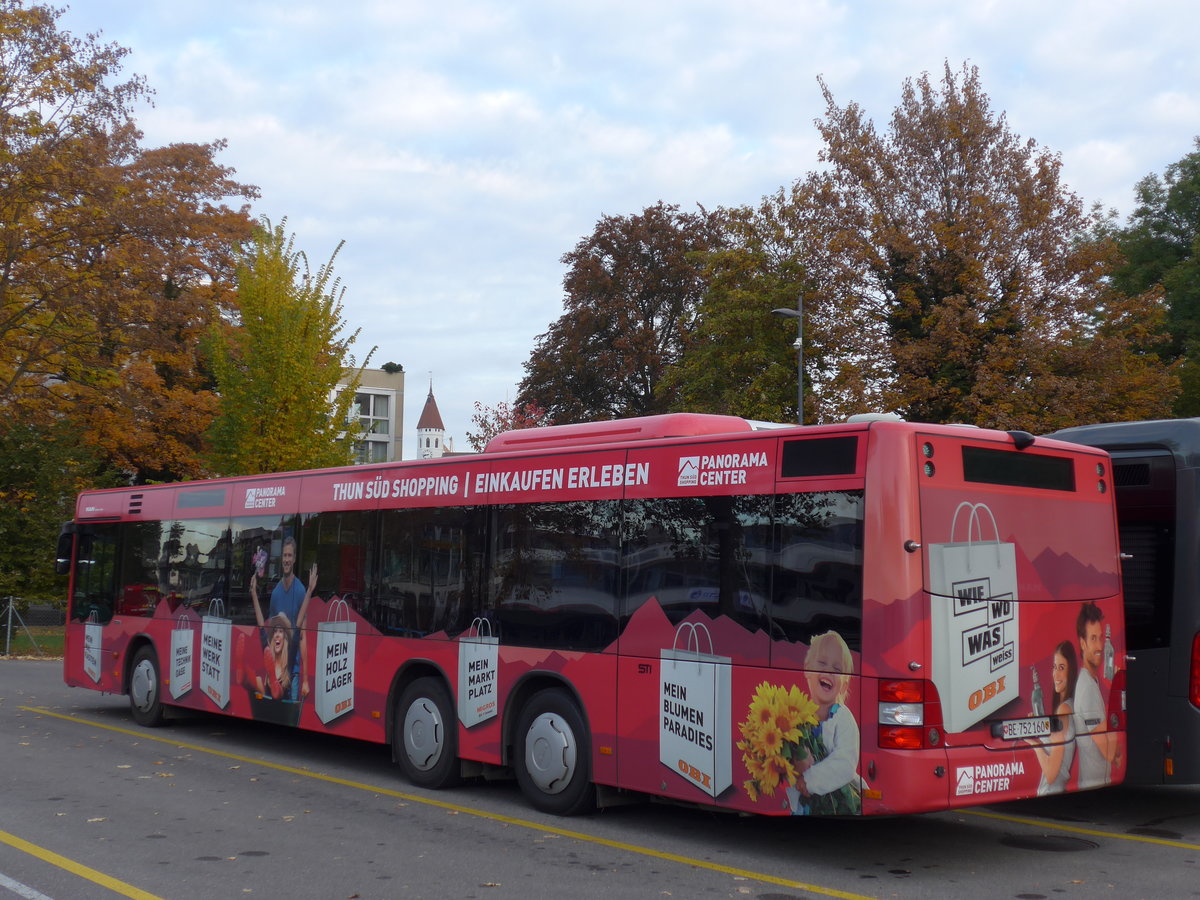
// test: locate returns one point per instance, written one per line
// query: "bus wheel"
(552, 755)
(425, 734)
(145, 696)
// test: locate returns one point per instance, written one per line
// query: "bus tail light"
(910, 715)
(1194, 690)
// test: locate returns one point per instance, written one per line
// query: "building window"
(370, 451)
(373, 415)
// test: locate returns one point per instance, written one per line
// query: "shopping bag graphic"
(336, 640)
(183, 650)
(695, 725)
(93, 631)
(216, 634)
(974, 621)
(478, 658)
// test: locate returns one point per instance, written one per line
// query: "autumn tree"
(1161, 247)
(740, 359)
(490, 421)
(953, 279)
(114, 258)
(632, 288)
(279, 362)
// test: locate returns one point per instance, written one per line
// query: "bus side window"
(142, 547)
(818, 576)
(555, 575)
(249, 536)
(710, 554)
(95, 574)
(429, 571)
(342, 544)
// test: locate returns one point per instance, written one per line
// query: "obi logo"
(987, 693)
(703, 779)
(689, 471)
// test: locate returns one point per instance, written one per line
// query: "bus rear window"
(1015, 469)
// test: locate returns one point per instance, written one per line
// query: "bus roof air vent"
(643, 428)
(874, 417)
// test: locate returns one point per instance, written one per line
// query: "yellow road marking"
(120, 887)
(1075, 829)
(466, 810)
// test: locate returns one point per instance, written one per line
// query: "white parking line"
(21, 890)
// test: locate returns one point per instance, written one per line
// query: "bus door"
(1146, 481)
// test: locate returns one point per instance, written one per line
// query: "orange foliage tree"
(954, 277)
(504, 416)
(114, 259)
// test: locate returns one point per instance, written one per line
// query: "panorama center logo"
(264, 497)
(689, 471)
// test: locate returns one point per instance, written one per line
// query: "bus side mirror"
(66, 539)
(62, 558)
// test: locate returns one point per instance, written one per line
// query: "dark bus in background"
(1155, 471)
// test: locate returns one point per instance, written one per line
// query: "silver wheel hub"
(142, 686)
(424, 734)
(550, 752)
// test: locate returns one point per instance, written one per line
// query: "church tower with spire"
(431, 433)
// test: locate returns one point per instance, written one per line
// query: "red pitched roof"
(430, 417)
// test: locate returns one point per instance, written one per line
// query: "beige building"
(379, 403)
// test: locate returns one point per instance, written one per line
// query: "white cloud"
(460, 149)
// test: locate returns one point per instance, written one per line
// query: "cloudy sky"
(460, 148)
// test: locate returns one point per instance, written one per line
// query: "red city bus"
(866, 618)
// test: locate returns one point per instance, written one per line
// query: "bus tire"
(425, 734)
(553, 755)
(145, 688)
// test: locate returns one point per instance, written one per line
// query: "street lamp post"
(798, 315)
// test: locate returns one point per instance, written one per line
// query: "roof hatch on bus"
(643, 428)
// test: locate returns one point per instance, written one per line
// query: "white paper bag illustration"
(336, 639)
(93, 631)
(478, 661)
(216, 634)
(695, 724)
(183, 651)
(974, 620)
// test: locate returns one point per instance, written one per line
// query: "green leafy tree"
(740, 359)
(1161, 246)
(954, 278)
(632, 291)
(279, 363)
(42, 468)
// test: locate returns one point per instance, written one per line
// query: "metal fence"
(13, 620)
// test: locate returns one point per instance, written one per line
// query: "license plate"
(1017, 729)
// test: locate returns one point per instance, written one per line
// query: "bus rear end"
(994, 616)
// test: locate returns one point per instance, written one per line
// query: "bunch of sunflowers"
(781, 732)
(777, 736)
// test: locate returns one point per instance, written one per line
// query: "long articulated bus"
(1156, 471)
(874, 617)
